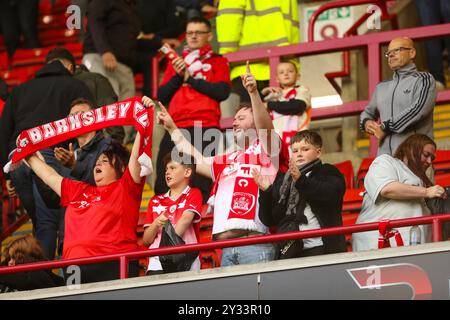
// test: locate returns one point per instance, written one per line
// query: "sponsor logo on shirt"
(88, 200)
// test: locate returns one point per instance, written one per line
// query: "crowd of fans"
(87, 192)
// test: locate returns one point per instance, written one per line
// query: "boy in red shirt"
(181, 206)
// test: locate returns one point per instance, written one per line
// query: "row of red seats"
(49, 7)
(355, 185)
(26, 62)
(441, 166)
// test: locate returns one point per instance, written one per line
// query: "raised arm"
(133, 164)
(46, 173)
(182, 144)
(263, 122)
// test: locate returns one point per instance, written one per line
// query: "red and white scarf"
(194, 60)
(291, 94)
(127, 112)
(244, 201)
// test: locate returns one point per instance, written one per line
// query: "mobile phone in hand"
(168, 52)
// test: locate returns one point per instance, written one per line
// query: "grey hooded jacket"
(405, 105)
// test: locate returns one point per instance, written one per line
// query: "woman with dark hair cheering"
(396, 188)
(100, 219)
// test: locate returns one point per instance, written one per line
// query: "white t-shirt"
(384, 170)
(313, 223)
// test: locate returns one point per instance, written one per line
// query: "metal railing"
(352, 31)
(124, 258)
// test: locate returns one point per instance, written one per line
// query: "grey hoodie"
(405, 105)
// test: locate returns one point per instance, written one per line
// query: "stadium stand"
(52, 32)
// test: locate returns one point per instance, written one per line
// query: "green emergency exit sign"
(332, 14)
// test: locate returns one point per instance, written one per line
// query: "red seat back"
(442, 162)
(362, 171)
(346, 168)
(442, 179)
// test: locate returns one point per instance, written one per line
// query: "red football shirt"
(189, 199)
(100, 220)
(188, 105)
(2, 104)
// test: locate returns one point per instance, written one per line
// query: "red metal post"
(437, 229)
(374, 78)
(155, 74)
(273, 62)
(123, 267)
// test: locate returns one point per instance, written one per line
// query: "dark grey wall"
(322, 282)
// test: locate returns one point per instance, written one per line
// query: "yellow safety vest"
(250, 24)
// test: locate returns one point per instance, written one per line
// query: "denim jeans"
(22, 181)
(435, 12)
(49, 226)
(247, 254)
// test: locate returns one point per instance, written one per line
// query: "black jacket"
(323, 190)
(113, 26)
(3, 90)
(29, 280)
(99, 86)
(43, 99)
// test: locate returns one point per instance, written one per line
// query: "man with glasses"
(404, 104)
(193, 86)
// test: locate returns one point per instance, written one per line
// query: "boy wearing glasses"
(405, 103)
(193, 86)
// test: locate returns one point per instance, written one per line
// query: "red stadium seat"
(58, 37)
(350, 210)
(52, 21)
(4, 60)
(76, 48)
(2, 104)
(25, 57)
(442, 179)
(362, 171)
(19, 75)
(208, 258)
(442, 162)
(48, 7)
(346, 168)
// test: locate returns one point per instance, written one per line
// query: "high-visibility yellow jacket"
(250, 24)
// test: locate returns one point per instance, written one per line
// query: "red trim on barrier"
(124, 257)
